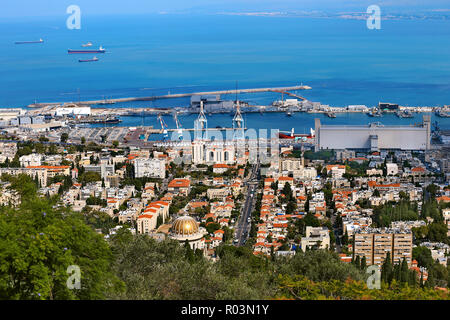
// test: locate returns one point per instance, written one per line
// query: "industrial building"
(73, 111)
(212, 103)
(373, 137)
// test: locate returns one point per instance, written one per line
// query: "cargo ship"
(88, 60)
(99, 50)
(292, 135)
(29, 42)
(102, 120)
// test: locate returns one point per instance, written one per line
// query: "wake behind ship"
(99, 50)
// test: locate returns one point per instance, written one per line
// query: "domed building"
(186, 228)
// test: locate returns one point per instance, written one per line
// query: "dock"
(176, 95)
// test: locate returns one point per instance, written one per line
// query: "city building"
(33, 159)
(184, 229)
(316, 238)
(374, 244)
(152, 168)
(373, 137)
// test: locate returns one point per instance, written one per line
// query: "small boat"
(89, 44)
(29, 42)
(88, 60)
(374, 113)
(404, 114)
(331, 114)
(289, 113)
(443, 114)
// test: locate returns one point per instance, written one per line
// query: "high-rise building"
(374, 244)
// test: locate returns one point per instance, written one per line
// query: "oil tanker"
(99, 50)
(29, 42)
(88, 60)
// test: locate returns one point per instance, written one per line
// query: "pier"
(176, 95)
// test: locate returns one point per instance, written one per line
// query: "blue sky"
(27, 8)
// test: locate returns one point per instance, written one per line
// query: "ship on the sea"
(88, 60)
(331, 114)
(105, 101)
(89, 44)
(443, 113)
(102, 120)
(293, 135)
(29, 42)
(99, 50)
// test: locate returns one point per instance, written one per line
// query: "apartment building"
(7, 151)
(374, 244)
(316, 238)
(153, 168)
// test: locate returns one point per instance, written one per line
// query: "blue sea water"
(405, 62)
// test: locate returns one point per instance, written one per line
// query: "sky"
(29, 8)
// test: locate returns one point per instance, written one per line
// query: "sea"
(405, 62)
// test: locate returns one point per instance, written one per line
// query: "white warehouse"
(373, 137)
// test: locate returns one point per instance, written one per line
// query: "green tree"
(38, 244)
(64, 137)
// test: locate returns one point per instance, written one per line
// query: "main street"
(244, 222)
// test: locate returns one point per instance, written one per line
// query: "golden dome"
(184, 226)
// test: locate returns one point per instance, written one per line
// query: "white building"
(76, 111)
(213, 152)
(33, 160)
(153, 168)
(392, 169)
(316, 238)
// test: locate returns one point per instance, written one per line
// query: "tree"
(115, 143)
(38, 244)
(83, 140)
(358, 262)
(64, 137)
(387, 269)
(423, 256)
(363, 263)
(345, 238)
(404, 271)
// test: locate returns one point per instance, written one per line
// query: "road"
(243, 227)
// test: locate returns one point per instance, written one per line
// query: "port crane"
(163, 125)
(178, 124)
(201, 123)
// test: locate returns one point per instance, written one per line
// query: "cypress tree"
(386, 269)
(421, 280)
(413, 278)
(397, 273)
(363, 263)
(404, 271)
(357, 262)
